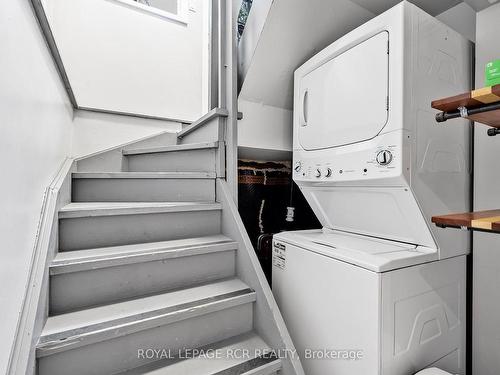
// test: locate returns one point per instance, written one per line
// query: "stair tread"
(87, 209)
(72, 261)
(227, 359)
(143, 175)
(171, 148)
(74, 327)
(100, 252)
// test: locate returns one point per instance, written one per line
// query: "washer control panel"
(362, 163)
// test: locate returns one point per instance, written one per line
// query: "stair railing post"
(224, 81)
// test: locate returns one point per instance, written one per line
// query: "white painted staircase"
(152, 262)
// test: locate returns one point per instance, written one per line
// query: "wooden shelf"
(481, 220)
(482, 105)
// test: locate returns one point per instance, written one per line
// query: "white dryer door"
(345, 100)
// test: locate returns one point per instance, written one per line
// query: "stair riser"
(83, 289)
(143, 190)
(101, 231)
(211, 131)
(122, 353)
(182, 161)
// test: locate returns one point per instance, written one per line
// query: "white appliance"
(375, 166)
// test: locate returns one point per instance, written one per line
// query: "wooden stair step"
(93, 209)
(143, 175)
(255, 357)
(91, 259)
(75, 329)
(143, 186)
(172, 148)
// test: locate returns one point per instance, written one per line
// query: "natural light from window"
(170, 6)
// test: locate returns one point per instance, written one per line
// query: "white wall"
(293, 32)
(38, 130)
(35, 137)
(270, 52)
(264, 126)
(96, 132)
(461, 18)
(123, 59)
(486, 273)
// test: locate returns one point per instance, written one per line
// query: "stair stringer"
(268, 322)
(34, 311)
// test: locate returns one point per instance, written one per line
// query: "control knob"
(318, 173)
(298, 166)
(328, 172)
(384, 157)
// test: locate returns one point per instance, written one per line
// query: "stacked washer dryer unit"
(378, 279)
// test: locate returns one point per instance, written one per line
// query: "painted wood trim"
(147, 254)
(144, 175)
(220, 162)
(270, 368)
(97, 209)
(214, 113)
(45, 246)
(51, 42)
(181, 18)
(132, 114)
(228, 92)
(268, 320)
(261, 365)
(173, 148)
(76, 338)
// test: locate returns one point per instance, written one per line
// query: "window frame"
(181, 16)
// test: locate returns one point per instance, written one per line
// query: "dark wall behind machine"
(269, 202)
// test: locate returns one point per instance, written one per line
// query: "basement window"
(176, 10)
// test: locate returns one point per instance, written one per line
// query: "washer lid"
(357, 243)
(374, 254)
(386, 212)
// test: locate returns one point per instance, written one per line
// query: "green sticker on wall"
(492, 73)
